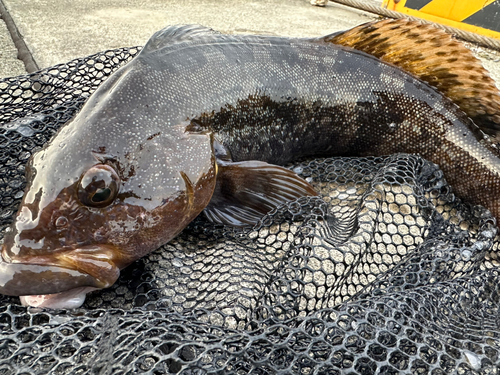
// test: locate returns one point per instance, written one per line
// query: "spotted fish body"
(199, 121)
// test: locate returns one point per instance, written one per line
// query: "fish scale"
(203, 121)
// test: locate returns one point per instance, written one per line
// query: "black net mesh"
(386, 272)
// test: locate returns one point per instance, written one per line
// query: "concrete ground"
(9, 64)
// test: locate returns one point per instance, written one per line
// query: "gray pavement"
(9, 64)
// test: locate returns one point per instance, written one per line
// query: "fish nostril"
(61, 222)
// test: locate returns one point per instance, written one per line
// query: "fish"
(204, 122)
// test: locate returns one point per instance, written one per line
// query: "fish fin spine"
(176, 34)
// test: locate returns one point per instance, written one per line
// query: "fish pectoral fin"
(246, 191)
(432, 55)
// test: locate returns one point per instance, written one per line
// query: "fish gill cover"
(385, 272)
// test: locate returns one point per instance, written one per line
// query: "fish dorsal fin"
(435, 57)
(176, 34)
(246, 191)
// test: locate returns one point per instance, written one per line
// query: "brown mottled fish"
(200, 121)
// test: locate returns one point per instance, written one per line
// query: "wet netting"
(386, 272)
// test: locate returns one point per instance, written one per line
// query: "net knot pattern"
(385, 272)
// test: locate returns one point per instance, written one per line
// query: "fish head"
(88, 212)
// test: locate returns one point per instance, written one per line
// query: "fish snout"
(92, 266)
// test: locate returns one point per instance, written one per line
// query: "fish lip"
(81, 267)
(70, 299)
(20, 279)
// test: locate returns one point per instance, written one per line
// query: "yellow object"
(477, 16)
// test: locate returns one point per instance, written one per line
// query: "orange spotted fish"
(201, 121)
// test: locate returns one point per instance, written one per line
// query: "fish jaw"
(95, 266)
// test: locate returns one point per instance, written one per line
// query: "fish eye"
(98, 186)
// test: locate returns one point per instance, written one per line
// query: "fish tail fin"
(433, 56)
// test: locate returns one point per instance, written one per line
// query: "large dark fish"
(200, 121)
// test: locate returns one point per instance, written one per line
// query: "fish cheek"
(62, 225)
(158, 226)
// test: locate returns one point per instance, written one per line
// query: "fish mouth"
(93, 266)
